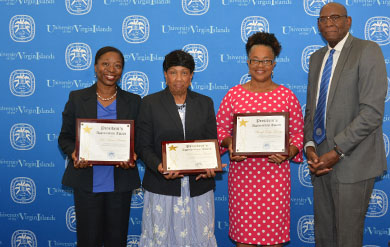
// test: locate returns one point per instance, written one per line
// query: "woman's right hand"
(228, 142)
(169, 175)
(79, 163)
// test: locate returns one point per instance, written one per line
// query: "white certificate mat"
(260, 134)
(191, 156)
(105, 141)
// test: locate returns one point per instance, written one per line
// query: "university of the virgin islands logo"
(306, 53)
(388, 90)
(71, 219)
(22, 28)
(304, 174)
(378, 29)
(305, 228)
(78, 7)
(137, 199)
(23, 238)
(78, 56)
(245, 78)
(133, 240)
(378, 205)
(135, 29)
(22, 83)
(22, 136)
(195, 7)
(200, 54)
(387, 142)
(136, 82)
(253, 24)
(23, 190)
(313, 7)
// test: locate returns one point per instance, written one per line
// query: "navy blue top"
(103, 175)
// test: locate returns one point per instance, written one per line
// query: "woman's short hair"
(179, 58)
(106, 49)
(263, 38)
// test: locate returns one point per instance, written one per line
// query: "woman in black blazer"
(178, 210)
(102, 194)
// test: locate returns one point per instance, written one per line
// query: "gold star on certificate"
(172, 148)
(243, 123)
(87, 129)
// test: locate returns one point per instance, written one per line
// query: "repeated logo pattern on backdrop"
(47, 50)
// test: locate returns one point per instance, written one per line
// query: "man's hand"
(316, 165)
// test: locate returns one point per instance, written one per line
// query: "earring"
(272, 74)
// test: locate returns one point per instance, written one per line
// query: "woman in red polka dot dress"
(259, 188)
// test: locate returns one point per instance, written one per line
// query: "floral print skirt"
(172, 221)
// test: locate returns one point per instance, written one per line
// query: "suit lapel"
(90, 103)
(122, 107)
(168, 103)
(191, 116)
(339, 68)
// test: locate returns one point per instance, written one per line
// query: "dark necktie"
(319, 117)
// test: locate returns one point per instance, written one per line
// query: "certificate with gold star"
(256, 134)
(191, 157)
(105, 141)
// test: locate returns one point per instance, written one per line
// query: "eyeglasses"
(266, 62)
(333, 18)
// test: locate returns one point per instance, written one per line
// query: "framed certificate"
(256, 134)
(191, 157)
(105, 142)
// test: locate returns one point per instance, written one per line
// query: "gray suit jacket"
(355, 109)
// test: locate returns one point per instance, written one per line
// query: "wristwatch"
(341, 155)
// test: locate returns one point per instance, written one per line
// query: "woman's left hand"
(210, 173)
(128, 164)
(278, 158)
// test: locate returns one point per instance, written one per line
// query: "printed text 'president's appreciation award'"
(105, 142)
(258, 134)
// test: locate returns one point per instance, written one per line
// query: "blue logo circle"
(22, 136)
(377, 29)
(200, 54)
(136, 82)
(22, 83)
(23, 190)
(135, 29)
(253, 24)
(78, 56)
(23, 238)
(71, 219)
(378, 205)
(78, 7)
(304, 175)
(313, 7)
(22, 28)
(195, 7)
(306, 53)
(305, 228)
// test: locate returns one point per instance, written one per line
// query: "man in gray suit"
(344, 139)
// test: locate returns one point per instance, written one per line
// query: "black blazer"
(159, 121)
(83, 104)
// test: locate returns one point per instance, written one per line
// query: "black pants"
(102, 218)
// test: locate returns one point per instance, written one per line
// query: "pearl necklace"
(107, 99)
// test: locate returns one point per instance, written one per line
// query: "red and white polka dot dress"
(259, 192)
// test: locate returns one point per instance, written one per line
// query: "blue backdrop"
(47, 49)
